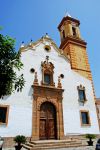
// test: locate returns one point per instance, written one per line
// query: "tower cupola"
(74, 46)
(69, 27)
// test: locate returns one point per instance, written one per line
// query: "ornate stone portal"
(47, 117)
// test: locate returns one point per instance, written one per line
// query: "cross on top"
(47, 58)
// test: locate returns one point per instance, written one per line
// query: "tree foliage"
(9, 63)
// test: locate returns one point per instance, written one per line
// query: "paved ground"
(85, 148)
(80, 148)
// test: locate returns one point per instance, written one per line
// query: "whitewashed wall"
(20, 114)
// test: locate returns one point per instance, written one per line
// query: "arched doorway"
(48, 123)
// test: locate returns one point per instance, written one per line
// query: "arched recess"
(47, 100)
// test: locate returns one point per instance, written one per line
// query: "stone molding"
(47, 94)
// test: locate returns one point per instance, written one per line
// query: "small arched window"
(47, 78)
(63, 33)
(74, 31)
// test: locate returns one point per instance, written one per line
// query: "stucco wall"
(20, 112)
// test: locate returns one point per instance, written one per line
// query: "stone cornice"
(67, 18)
(80, 69)
(45, 87)
(73, 40)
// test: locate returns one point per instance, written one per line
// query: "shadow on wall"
(5, 98)
(30, 93)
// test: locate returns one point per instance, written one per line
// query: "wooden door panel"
(47, 121)
(51, 131)
(42, 129)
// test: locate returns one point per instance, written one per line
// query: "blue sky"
(31, 19)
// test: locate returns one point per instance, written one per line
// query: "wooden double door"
(48, 127)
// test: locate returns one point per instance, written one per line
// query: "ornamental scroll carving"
(47, 69)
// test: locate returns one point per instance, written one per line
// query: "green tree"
(9, 63)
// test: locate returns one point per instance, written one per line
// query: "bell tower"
(74, 46)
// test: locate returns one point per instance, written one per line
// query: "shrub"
(90, 136)
(20, 139)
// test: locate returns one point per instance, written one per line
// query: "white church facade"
(58, 97)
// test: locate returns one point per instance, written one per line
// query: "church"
(58, 98)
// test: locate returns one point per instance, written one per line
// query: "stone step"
(55, 147)
(52, 144)
(27, 147)
(53, 141)
(30, 144)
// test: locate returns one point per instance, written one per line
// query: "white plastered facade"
(20, 110)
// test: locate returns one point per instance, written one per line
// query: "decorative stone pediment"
(81, 87)
(47, 72)
(47, 66)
